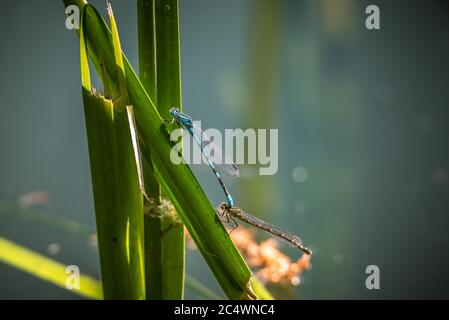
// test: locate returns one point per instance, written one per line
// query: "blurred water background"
(363, 133)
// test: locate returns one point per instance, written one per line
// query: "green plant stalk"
(164, 232)
(117, 196)
(146, 22)
(46, 269)
(168, 56)
(182, 188)
(164, 252)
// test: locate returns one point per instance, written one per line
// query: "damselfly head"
(174, 111)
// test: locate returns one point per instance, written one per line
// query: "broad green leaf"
(115, 180)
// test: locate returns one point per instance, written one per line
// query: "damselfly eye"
(174, 111)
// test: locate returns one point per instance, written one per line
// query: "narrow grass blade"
(46, 269)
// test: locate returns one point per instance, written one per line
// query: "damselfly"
(230, 213)
(214, 156)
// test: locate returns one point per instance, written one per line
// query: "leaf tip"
(109, 9)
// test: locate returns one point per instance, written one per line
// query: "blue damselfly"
(216, 159)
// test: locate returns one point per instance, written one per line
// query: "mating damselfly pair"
(218, 161)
